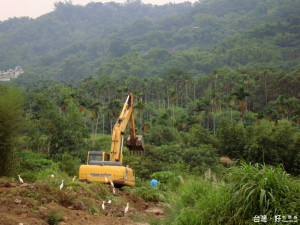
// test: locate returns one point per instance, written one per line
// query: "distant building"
(18, 68)
(11, 74)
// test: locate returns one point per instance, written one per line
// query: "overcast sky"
(35, 8)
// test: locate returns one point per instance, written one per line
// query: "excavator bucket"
(135, 145)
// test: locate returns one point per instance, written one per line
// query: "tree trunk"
(266, 95)
(93, 134)
(103, 124)
(110, 126)
(207, 122)
(214, 122)
(168, 102)
(158, 101)
(140, 122)
(96, 128)
(194, 91)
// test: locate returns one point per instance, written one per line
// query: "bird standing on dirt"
(61, 185)
(21, 180)
(103, 206)
(112, 184)
(126, 209)
(109, 201)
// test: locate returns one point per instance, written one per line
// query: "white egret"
(52, 176)
(112, 184)
(74, 178)
(126, 209)
(109, 201)
(21, 180)
(103, 206)
(61, 185)
(18, 201)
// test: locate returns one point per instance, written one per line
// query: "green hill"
(74, 41)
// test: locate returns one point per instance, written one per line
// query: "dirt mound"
(39, 203)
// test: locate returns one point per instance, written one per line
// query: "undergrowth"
(55, 217)
(249, 190)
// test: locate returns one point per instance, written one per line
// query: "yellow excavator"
(105, 167)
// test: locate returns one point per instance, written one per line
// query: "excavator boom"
(134, 142)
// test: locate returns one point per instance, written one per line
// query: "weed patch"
(55, 217)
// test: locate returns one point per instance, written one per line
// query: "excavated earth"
(19, 205)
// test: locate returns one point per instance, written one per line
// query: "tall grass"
(261, 190)
(196, 204)
(249, 190)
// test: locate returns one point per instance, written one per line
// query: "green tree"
(200, 158)
(139, 107)
(95, 107)
(161, 135)
(11, 124)
(232, 139)
(273, 145)
(66, 132)
(240, 95)
(196, 136)
(113, 110)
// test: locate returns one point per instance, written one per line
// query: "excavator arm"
(134, 142)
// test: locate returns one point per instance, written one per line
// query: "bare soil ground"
(25, 204)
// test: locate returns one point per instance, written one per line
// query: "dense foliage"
(142, 40)
(215, 84)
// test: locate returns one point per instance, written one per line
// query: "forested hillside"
(70, 31)
(73, 41)
(216, 88)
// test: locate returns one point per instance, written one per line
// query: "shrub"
(196, 136)
(69, 164)
(148, 193)
(163, 176)
(55, 217)
(34, 161)
(168, 180)
(200, 158)
(94, 210)
(161, 135)
(31, 164)
(103, 143)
